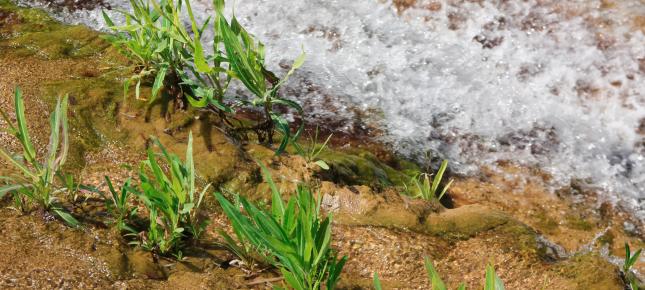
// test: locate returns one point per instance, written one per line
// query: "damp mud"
(535, 238)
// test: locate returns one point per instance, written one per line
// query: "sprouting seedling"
(119, 204)
(436, 281)
(313, 150)
(492, 282)
(426, 189)
(377, 282)
(163, 47)
(630, 260)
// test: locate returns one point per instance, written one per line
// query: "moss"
(590, 271)
(93, 106)
(60, 42)
(33, 32)
(18, 20)
(464, 222)
(358, 167)
(578, 223)
(521, 239)
(545, 223)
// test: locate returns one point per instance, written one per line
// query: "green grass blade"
(107, 19)
(199, 59)
(493, 282)
(23, 132)
(65, 133)
(437, 284)
(9, 188)
(156, 86)
(277, 204)
(190, 167)
(4, 154)
(377, 282)
(66, 217)
(437, 178)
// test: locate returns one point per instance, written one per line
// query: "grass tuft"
(118, 205)
(422, 187)
(630, 260)
(294, 236)
(312, 150)
(169, 194)
(162, 47)
(36, 181)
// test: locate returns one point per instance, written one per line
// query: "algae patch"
(359, 167)
(33, 32)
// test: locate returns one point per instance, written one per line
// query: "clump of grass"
(312, 150)
(35, 182)
(250, 255)
(630, 260)
(118, 205)
(155, 44)
(157, 40)
(492, 281)
(172, 200)
(421, 187)
(293, 235)
(246, 59)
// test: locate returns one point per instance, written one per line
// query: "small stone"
(630, 228)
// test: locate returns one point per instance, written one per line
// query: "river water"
(554, 84)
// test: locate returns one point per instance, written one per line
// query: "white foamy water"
(547, 83)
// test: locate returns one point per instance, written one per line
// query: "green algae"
(63, 42)
(545, 223)
(590, 271)
(577, 222)
(94, 114)
(464, 222)
(33, 32)
(360, 167)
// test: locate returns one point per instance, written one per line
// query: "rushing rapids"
(541, 83)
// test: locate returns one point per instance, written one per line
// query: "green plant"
(156, 38)
(242, 248)
(156, 44)
(630, 260)
(118, 205)
(246, 60)
(293, 234)
(171, 199)
(36, 181)
(425, 189)
(72, 187)
(492, 281)
(313, 150)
